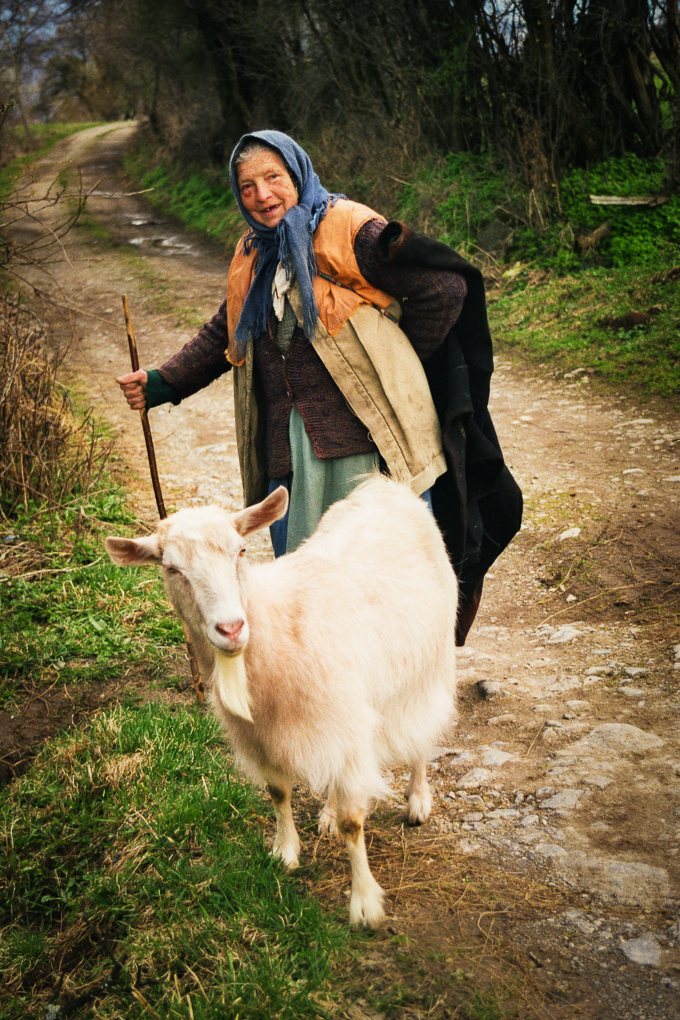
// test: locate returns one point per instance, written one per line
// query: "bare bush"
(29, 212)
(45, 452)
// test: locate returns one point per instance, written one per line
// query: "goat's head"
(201, 552)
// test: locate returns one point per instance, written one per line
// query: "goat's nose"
(230, 630)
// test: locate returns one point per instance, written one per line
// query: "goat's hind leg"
(418, 795)
(328, 818)
(286, 841)
(366, 902)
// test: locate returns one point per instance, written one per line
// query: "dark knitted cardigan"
(431, 302)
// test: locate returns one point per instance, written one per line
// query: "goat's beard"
(231, 683)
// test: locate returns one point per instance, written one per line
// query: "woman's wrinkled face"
(266, 188)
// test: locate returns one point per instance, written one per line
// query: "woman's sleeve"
(157, 391)
(431, 299)
(200, 361)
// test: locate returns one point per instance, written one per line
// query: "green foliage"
(638, 235)
(579, 322)
(456, 197)
(133, 841)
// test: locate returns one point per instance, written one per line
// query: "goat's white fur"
(348, 646)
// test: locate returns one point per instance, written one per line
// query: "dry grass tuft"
(124, 769)
(44, 452)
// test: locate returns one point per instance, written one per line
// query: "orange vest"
(334, 250)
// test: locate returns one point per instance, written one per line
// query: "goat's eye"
(173, 570)
(242, 552)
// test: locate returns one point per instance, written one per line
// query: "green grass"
(455, 198)
(137, 882)
(557, 323)
(638, 235)
(68, 615)
(552, 301)
(133, 851)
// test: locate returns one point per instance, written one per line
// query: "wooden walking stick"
(156, 482)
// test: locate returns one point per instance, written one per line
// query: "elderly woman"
(331, 321)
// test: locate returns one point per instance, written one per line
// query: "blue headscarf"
(289, 242)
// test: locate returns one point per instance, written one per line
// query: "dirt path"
(569, 770)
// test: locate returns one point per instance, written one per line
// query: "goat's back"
(352, 645)
(375, 569)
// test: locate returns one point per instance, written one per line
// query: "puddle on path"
(158, 238)
(167, 245)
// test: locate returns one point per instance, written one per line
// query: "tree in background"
(545, 83)
(25, 29)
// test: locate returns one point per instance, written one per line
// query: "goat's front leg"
(366, 901)
(418, 796)
(286, 841)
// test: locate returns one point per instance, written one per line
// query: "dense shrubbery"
(462, 197)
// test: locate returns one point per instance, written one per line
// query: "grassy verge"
(69, 617)
(203, 200)
(479, 206)
(620, 326)
(136, 871)
(610, 309)
(45, 137)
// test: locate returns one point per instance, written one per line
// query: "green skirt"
(316, 484)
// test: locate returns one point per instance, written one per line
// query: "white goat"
(327, 664)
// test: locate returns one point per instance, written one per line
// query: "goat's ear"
(261, 515)
(134, 552)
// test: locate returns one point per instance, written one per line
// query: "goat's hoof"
(328, 823)
(367, 911)
(418, 809)
(288, 857)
